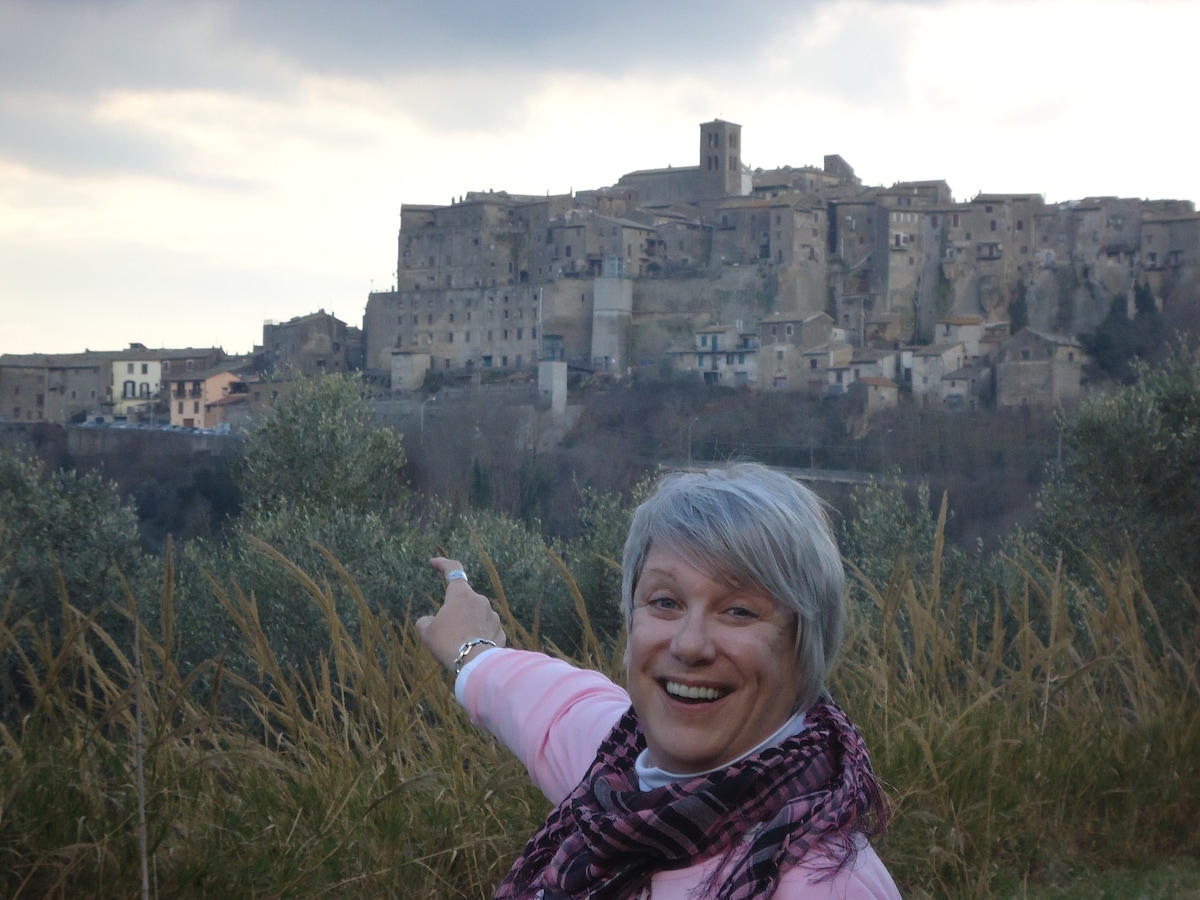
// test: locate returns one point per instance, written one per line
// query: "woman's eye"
(741, 612)
(662, 602)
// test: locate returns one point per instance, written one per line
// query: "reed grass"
(1067, 738)
(1059, 730)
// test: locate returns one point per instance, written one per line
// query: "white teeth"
(692, 693)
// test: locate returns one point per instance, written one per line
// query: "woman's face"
(711, 669)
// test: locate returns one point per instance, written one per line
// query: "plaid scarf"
(764, 814)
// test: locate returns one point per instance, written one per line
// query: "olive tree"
(319, 448)
(1130, 480)
(65, 537)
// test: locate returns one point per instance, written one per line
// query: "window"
(128, 390)
(788, 330)
(195, 406)
(145, 368)
(128, 368)
(181, 407)
(812, 364)
(166, 365)
(704, 340)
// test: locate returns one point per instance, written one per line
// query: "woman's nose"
(692, 641)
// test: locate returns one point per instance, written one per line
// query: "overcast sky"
(174, 173)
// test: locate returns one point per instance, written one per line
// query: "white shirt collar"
(650, 777)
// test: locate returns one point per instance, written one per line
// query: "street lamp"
(423, 402)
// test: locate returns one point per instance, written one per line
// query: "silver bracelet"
(455, 575)
(465, 649)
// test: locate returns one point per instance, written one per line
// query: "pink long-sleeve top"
(553, 717)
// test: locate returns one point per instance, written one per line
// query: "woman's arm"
(551, 715)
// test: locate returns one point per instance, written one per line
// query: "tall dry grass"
(1062, 731)
(1071, 732)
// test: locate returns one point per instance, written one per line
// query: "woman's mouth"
(690, 692)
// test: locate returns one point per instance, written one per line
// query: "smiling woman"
(724, 770)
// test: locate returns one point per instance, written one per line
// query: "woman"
(722, 769)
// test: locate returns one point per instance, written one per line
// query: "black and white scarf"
(764, 813)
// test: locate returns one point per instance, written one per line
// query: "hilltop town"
(792, 279)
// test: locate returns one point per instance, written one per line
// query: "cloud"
(41, 133)
(453, 67)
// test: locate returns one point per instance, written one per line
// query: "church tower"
(720, 159)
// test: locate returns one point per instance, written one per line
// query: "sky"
(176, 173)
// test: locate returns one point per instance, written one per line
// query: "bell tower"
(720, 159)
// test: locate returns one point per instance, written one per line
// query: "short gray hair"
(749, 526)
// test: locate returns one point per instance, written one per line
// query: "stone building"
(1169, 253)
(928, 366)
(630, 273)
(784, 339)
(720, 172)
(722, 355)
(1038, 370)
(54, 387)
(311, 345)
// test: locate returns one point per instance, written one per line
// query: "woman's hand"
(464, 616)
